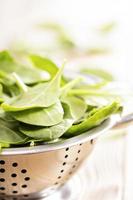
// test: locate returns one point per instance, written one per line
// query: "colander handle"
(124, 122)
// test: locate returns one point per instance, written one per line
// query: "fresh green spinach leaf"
(41, 116)
(53, 132)
(77, 105)
(8, 136)
(29, 75)
(95, 119)
(42, 95)
(44, 64)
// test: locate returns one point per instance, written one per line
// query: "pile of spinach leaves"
(35, 109)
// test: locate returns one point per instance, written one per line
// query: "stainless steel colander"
(35, 172)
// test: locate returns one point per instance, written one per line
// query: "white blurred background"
(82, 18)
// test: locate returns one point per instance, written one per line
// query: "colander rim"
(89, 135)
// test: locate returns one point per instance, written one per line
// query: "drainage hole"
(13, 175)
(2, 162)
(76, 159)
(23, 171)
(91, 141)
(2, 170)
(24, 186)
(15, 192)
(62, 171)
(64, 163)
(59, 177)
(67, 149)
(66, 156)
(27, 178)
(2, 180)
(26, 195)
(15, 164)
(14, 184)
(2, 188)
(79, 151)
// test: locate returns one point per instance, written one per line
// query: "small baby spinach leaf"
(50, 133)
(9, 136)
(42, 95)
(77, 105)
(41, 116)
(67, 87)
(103, 74)
(96, 118)
(10, 124)
(29, 75)
(44, 64)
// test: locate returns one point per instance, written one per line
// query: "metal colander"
(35, 172)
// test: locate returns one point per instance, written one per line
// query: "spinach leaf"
(42, 95)
(41, 116)
(1, 94)
(4, 145)
(53, 132)
(103, 74)
(96, 118)
(9, 136)
(44, 64)
(34, 111)
(29, 75)
(12, 125)
(8, 84)
(77, 105)
(67, 87)
(62, 37)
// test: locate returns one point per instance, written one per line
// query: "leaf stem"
(20, 83)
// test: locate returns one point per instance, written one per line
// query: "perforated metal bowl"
(35, 172)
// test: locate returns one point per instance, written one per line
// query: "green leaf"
(41, 116)
(92, 92)
(52, 132)
(96, 118)
(44, 64)
(1, 94)
(5, 57)
(3, 145)
(62, 37)
(28, 74)
(8, 84)
(42, 95)
(20, 83)
(77, 105)
(98, 72)
(107, 27)
(95, 51)
(1, 90)
(9, 136)
(67, 87)
(12, 125)
(96, 86)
